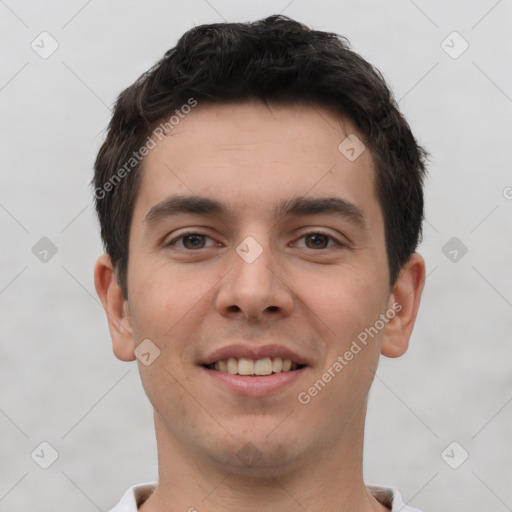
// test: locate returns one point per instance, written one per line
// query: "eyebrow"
(294, 207)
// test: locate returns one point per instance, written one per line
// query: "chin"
(257, 454)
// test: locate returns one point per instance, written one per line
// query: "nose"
(256, 287)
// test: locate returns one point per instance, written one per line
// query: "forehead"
(251, 155)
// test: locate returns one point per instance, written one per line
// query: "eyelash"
(315, 232)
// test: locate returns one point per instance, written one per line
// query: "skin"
(312, 295)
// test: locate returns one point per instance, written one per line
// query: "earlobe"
(116, 309)
(404, 301)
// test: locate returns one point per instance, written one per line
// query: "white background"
(60, 382)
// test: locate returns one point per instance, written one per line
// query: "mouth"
(265, 376)
(254, 371)
(254, 367)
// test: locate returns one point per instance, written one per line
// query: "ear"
(116, 308)
(405, 302)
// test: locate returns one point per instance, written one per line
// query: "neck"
(329, 480)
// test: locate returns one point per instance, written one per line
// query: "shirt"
(136, 495)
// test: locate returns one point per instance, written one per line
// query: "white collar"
(138, 494)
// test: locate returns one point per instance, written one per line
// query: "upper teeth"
(245, 366)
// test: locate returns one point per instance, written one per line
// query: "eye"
(195, 241)
(318, 240)
(190, 241)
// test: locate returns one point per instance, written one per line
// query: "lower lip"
(256, 385)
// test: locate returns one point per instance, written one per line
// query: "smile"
(254, 367)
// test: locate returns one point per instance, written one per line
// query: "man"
(260, 201)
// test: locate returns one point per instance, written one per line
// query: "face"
(283, 260)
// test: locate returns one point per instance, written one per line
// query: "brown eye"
(318, 241)
(193, 241)
(189, 241)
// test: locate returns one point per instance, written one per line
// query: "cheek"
(351, 354)
(161, 300)
(346, 301)
(168, 307)
(164, 310)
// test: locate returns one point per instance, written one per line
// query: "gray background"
(60, 382)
